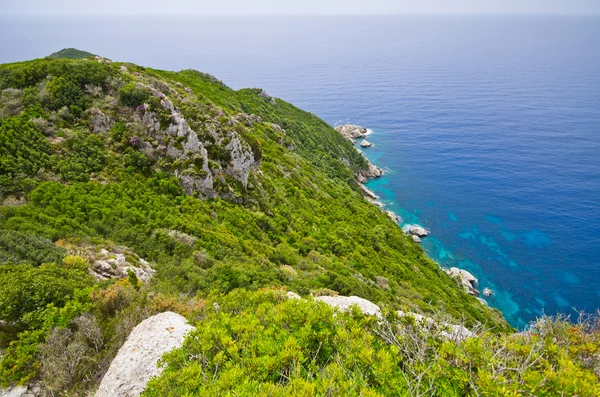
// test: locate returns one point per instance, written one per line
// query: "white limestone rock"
(345, 302)
(366, 143)
(415, 230)
(465, 279)
(351, 132)
(136, 362)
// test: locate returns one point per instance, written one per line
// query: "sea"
(488, 127)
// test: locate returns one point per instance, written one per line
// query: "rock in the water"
(137, 359)
(416, 239)
(367, 193)
(351, 132)
(415, 230)
(466, 279)
(372, 171)
(345, 302)
(488, 292)
(393, 216)
(365, 143)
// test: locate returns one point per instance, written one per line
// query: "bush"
(133, 96)
(25, 289)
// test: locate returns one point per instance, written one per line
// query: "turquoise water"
(488, 127)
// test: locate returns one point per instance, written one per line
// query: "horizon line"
(299, 14)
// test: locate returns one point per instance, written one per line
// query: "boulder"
(345, 302)
(293, 295)
(416, 239)
(136, 362)
(365, 143)
(351, 132)
(488, 292)
(415, 230)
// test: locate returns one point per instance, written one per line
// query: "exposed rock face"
(351, 132)
(365, 143)
(415, 230)
(293, 295)
(115, 264)
(416, 239)
(99, 121)
(182, 146)
(393, 216)
(371, 171)
(137, 359)
(345, 302)
(367, 193)
(448, 331)
(466, 279)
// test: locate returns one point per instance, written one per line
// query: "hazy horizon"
(297, 8)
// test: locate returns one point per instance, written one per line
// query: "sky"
(295, 7)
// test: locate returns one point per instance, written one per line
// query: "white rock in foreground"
(137, 359)
(345, 302)
(365, 143)
(16, 391)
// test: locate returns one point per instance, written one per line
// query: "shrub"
(133, 96)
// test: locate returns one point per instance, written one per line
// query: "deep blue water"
(488, 127)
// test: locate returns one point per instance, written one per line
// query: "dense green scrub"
(265, 344)
(300, 223)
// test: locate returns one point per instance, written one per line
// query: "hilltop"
(129, 191)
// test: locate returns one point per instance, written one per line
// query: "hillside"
(129, 191)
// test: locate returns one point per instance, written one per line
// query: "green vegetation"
(95, 154)
(71, 53)
(264, 344)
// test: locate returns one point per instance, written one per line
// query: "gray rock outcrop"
(446, 330)
(115, 264)
(393, 216)
(181, 145)
(136, 362)
(351, 132)
(372, 171)
(465, 279)
(365, 143)
(100, 122)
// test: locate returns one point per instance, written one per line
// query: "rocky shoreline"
(463, 278)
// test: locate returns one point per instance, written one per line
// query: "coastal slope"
(128, 191)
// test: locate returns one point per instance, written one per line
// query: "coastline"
(357, 136)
